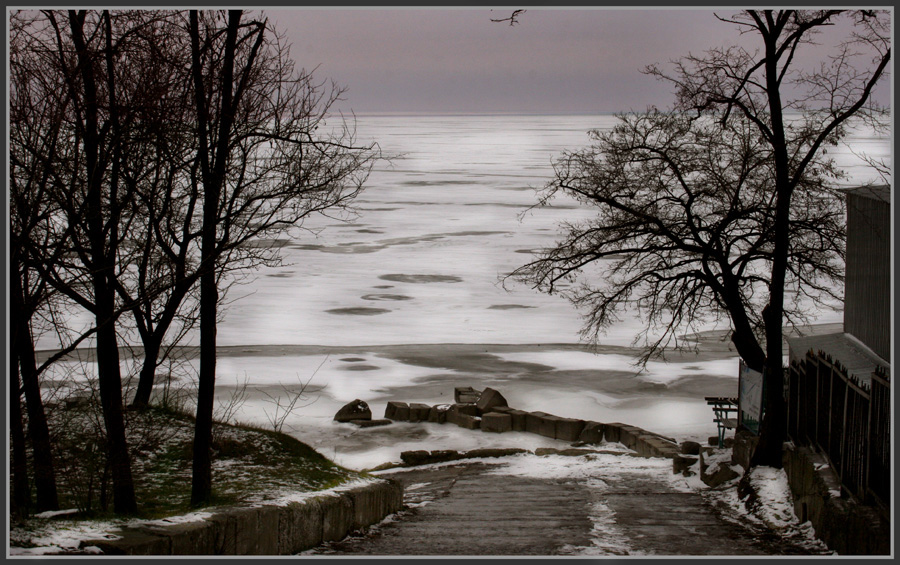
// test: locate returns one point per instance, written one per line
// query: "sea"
(422, 260)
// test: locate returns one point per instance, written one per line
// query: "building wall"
(867, 291)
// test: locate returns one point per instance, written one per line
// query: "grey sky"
(457, 60)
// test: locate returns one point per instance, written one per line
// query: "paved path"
(463, 510)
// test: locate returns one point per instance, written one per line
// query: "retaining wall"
(264, 530)
(847, 527)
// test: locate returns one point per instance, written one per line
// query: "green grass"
(249, 464)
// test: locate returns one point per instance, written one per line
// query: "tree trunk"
(38, 430)
(773, 426)
(103, 262)
(152, 343)
(213, 167)
(110, 381)
(21, 499)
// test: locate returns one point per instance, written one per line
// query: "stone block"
(370, 423)
(418, 457)
(496, 422)
(744, 445)
(569, 429)
(243, 526)
(356, 410)
(438, 413)
(465, 395)
(397, 411)
(533, 422)
(224, 538)
(489, 399)
(456, 411)
(518, 418)
(373, 502)
(502, 409)
(548, 425)
(468, 422)
(188, 538)
(442, 455)
(267, 533)
(299, 526)
(717, 474)
(628, 436)
(495, 452)
(690, 448)
(682, 463)
(612, 433)
(592, 433)
(419, 412)
(657, 446)
(337, 517)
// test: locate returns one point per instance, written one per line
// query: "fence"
(846, 420)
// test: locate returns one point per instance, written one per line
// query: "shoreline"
(700, 346)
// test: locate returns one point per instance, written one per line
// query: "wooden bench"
(723, 408)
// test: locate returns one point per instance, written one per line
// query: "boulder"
(397, 411)
(592, 433)
(419, 412)
(714, 441)
(717, 474)
(683, 463)
(568, 429)
(496, 422)
(489, 399)
(356, 410)
(465, 395)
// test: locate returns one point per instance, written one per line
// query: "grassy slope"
(249, 464)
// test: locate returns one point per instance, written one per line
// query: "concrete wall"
(264, 530)
(867, 284)
(844, 525)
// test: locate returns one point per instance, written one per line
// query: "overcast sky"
(457, 60)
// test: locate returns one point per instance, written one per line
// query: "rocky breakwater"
(489, 412)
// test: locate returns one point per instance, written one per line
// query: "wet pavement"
(466, 509)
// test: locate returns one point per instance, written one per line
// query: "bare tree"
(104, 87)
(766, 87)
(795, 113)
(266, 162)
(683, 232)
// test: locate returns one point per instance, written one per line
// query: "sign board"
(750, 397)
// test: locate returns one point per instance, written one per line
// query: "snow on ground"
(773, 509)
(54, 536)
